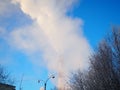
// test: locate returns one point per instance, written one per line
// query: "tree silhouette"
(104, 70)
(5, 76)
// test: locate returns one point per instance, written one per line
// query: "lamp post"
(45, 82)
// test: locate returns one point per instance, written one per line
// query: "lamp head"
(53, 76)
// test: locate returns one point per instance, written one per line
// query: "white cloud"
(6, 7)
(58, 36)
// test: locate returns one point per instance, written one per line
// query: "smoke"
(59, 37)
(3, 8)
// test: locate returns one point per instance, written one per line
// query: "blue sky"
(95, 17)
(98, 16)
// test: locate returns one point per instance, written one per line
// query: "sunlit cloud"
(59, 37)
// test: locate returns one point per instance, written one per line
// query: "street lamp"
(45, 82)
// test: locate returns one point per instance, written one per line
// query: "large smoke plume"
(58, 36)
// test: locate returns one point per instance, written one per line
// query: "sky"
(39, 38)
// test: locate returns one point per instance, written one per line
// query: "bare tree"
(5, 76)
(114, 42)
(77, 81)
(104, 71)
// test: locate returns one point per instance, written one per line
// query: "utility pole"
(45, 86)
(20, 88)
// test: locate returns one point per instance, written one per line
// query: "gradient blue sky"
(98, 17)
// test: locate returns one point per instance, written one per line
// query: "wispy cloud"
(6, 7)
(59, 37)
